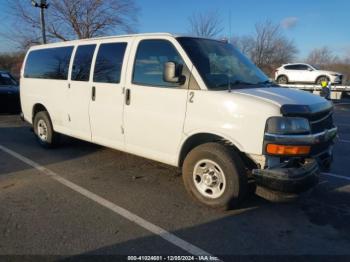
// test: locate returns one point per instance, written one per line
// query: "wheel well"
(38, 108)
(322, 76)
(283, 75)
(202, 138)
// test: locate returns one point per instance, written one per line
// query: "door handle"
(93, 93)
(127, 96)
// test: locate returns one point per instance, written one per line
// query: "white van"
(195, 103)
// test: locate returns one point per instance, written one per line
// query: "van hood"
(291, 101)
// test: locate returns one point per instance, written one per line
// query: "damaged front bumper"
(288, 177)
(297, 174)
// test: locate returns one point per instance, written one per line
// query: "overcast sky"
(312, 23)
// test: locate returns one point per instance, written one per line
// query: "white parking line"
(344, 141)
(192, 249)
(337, 176)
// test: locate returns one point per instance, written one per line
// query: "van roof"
(104, 37)
(112, 37)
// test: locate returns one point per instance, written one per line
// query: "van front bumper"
(289, 179)
(297, 174)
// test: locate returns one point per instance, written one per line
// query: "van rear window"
(51, 63)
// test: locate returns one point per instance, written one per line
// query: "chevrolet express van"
(194, 103)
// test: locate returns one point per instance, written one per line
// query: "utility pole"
(42, 5)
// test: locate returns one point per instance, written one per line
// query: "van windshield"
(221, 65)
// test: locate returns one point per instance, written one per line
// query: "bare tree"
(347, 56)
(244, 43)
(206, 24)
(12, 62)
(325, 59)
(321, 57)
(267, 47)
(67, 19)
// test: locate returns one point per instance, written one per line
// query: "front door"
(154, 109)
(106, 106)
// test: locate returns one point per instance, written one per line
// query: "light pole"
(42, 5)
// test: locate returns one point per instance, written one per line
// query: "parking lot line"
(344, 141)
(337, 176)
(192, 249)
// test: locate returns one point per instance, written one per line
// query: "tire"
(282, 80)
(213, 160)
(321, 79)
(43, 130)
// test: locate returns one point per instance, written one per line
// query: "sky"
(310, 23)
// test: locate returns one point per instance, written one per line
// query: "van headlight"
(287, 125)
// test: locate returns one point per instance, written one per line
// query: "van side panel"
(155, 114)
(44, 82)
(106, 111)
(229, 115)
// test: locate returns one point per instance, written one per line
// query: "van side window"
(109, 62)
(149, 63)
(50, 63)
(82, 62)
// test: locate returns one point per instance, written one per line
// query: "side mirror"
(309, 69)
(169, 73)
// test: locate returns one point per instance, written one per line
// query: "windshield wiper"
(235, 83)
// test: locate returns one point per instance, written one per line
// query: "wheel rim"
(209, 179)
(42, 130)
(322, 79)
(282, 80)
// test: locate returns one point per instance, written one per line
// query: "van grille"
(321, 121)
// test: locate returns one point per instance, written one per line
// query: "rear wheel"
(214, 175)
(282, 80)
(43, 130)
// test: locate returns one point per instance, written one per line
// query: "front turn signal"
(281, 150)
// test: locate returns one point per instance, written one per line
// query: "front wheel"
(214, 175)
(43, 130)
(322, 79)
